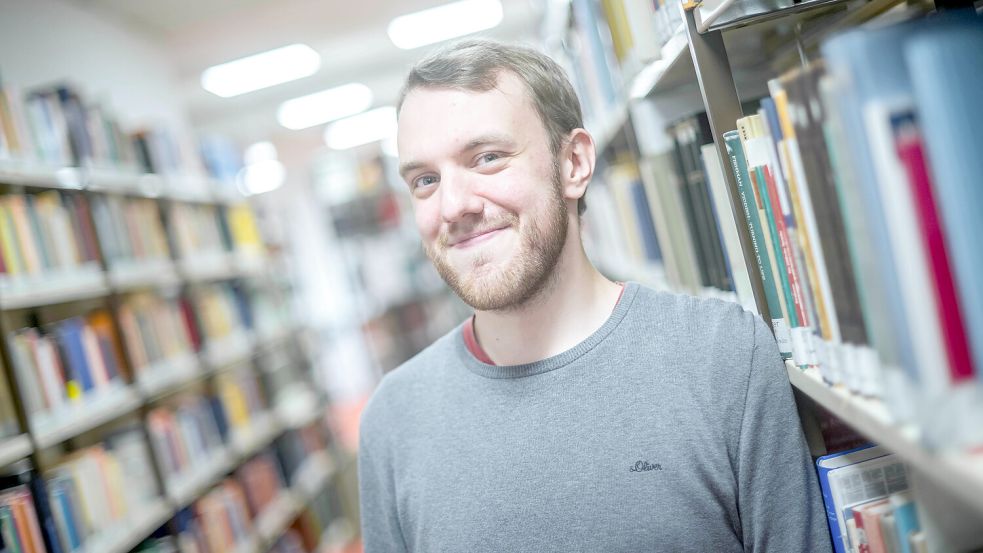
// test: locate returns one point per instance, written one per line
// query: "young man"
(570, 413)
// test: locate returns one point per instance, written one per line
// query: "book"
(952, 128)
(737, 268)
(853, 478)
(739, 166)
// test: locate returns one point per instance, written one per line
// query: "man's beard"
(528, 274)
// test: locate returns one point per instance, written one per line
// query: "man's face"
(486, 191)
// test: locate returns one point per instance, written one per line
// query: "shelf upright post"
(723, 109)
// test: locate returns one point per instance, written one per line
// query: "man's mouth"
(475, 238)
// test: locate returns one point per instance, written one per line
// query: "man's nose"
(458, 197)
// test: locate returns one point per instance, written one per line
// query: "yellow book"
(245, 232)
(25, 236)
(8, 241)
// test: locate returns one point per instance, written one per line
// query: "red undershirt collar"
(471, 339)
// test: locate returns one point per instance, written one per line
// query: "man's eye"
(487, 158)
(425, 180)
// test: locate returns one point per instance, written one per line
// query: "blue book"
(854, 477)
(870, 59)
(69, 336)
(905, 519)
(63, 511)
(944, 62)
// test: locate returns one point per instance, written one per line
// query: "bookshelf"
(127, 275)
(724, 56)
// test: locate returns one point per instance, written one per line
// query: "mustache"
(458, 232)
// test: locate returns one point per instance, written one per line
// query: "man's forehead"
(507, 86)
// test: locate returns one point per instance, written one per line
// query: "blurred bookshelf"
(139, 305)
(835, 210)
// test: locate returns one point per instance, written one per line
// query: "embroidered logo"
(644, 466)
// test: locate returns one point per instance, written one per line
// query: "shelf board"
(124, 535)
(248, 263)
(262, 430)
(277, 516)
(14, 448)
(40, 176)
(121, 181)
(227, 351)
(673, 69)
(24, 291)
(185, 488)
(140, 274)
(753, 12)
(71, 420)
(168, 374)
(959, 473)
(207, 266)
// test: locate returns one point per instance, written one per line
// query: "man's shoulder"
(410, 383)
(689, 313)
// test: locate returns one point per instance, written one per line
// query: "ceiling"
(349, 35)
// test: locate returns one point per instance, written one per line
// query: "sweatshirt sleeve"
(381, 531)
(778, 491)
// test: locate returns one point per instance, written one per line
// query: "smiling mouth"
(477, 238)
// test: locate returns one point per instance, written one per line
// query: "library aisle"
(209, 260)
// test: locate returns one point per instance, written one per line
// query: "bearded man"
(569, 413)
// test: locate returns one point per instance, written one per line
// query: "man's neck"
(568, 310)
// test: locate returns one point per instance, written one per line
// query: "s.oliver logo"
(644, 466)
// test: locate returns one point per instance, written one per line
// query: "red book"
(908, 142)
(786, 246)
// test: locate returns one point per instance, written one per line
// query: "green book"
(738, 165)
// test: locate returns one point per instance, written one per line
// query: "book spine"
(739, 167)
(909, 146)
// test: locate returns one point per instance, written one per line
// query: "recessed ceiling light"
(377, 124)
(444, 22)
(261, 70)
(324, 106)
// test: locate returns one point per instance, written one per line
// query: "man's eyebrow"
(409, 166)
(484, 140)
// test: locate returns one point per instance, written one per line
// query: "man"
(570, 413)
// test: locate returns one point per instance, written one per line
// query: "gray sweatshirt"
(671, 428)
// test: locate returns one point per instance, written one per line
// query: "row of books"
(155, 329)
(45, 232)
(130, 229)
(185, 436)
(60, 364)
(53, 231)
(640, 28)
(100, 489)
(55, 127)
(855, 176)
(9, 425)
(86, 499)
(219, 521)
(869, 506)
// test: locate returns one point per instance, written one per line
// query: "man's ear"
(577, 159)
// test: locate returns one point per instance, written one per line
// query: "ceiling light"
(363, 128)
(261, 70)
(324, 106)
(444, 22)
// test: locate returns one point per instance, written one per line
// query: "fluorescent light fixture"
(444, 22)
(324, 106)
(363, 128)
(261, 70)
